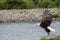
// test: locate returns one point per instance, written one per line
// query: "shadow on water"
(25, 31)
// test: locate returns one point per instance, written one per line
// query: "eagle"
(46, 21)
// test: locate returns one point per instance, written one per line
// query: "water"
(25, 31)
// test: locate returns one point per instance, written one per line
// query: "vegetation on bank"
(54, 38)
(56, 15)
(27, 4)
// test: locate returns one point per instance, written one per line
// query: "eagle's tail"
(51, 29)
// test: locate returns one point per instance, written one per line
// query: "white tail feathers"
(51, 29)
(38, 24)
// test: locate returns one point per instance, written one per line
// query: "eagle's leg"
(48, 33)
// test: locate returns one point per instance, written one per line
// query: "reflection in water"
(24, 31)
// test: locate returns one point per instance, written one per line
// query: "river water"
(25, 31)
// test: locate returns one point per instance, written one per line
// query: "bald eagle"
(46, 21)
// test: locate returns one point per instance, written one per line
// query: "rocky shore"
(21, 15)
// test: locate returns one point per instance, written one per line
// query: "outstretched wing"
(47, 15)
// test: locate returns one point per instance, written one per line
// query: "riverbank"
(25, 15)
(57, 37)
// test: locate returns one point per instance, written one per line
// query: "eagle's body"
(45, 24)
